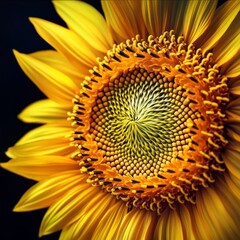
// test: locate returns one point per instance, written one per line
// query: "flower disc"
(150, 122)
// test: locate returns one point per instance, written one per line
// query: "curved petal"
(212, 217)
(44, 111)
(187, 226)
(67, 209)
(60, 63)
(87, 22)
(137, 224)
(233, 110)
(227, 47)
(49, 190)
(232, 162)
(93, 213)
(110, 223)
(232, 69)
(198, 15)
(66, 42)
(235, 87)
(124, 19)
(56, 85)
(168, 221)
(155, 15)
(50, 139)
(39, 167)
(233, 184)
(223, 18)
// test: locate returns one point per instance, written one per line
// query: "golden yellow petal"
(198, 15)
(60, 63)
(155, 15)
(110, 223)
(227, 47)
(223, 18)
(233, 184)
(39, 167)
(137, 224)
(232, 70)
(235, 87)
(186, 222)
(66, 42)
(84, 227)
(212, 218)
(49, 190)
(124, 19)
(50, 139)
(232, 134)
(56, 85)
(232, 161)
(44, 111)
(168, 221)
(87, 22)
(233, 111)
(67, 209)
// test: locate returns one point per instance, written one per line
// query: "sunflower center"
(150, 122)
(139, 122)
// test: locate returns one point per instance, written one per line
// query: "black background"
(16, 92)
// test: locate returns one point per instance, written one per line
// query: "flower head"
(141, 124)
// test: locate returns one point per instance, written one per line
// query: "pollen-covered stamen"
(150, 122)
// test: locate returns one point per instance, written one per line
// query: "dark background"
(16, 92)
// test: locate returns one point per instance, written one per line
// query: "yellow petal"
(86, 225)
(228, 46)
(50, 81)
(198, 15)
(44, 111)
(110, 223)
(232, 161)
(212, 218)
(67, 209)
(187, 226)
(50, 139)
(155, 15)
(232, 69)
(37, 168)
(235, 87)
(66, 42)
(233, 184)
(49, 190)
(87, 22)
(137, 224)
(60, 63)
(124, 19)
(223, 18)
(233, 111)
(168, 221)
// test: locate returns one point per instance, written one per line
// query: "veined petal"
(164, 15)
(39, 167)
(232, 69)
(123, 19)
(223, 17)
(186, 222)
(232, 161)
(137, 224)
(233, 184)
(110, 223)
(235, 87)
(56, 85)
(50, 139)
(233, 111)
(87, 22)
(168, 221)
(198, 15)
(228, 46)
(44, 111)
(66, 42)
(49, 190)
(209, 206)
(86, 225)
(60, 63)
(67, 209)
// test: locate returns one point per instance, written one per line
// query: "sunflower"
(140, 128)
